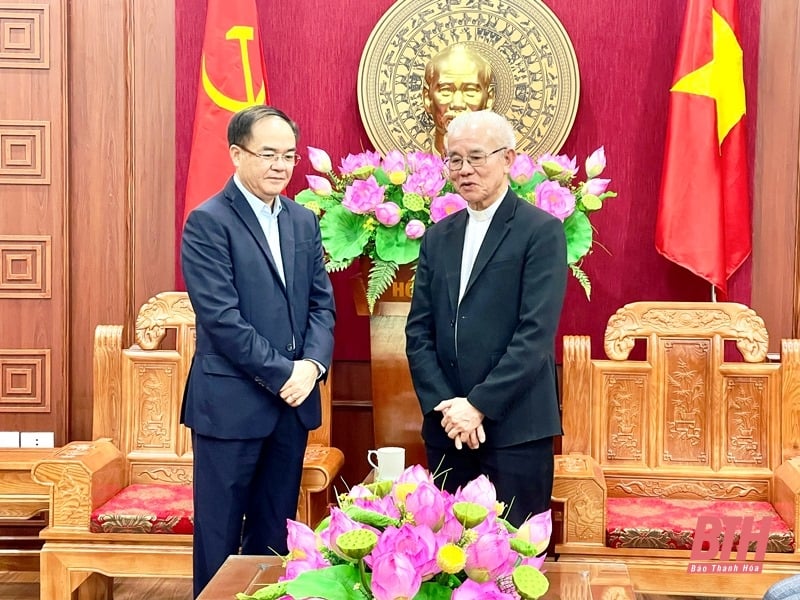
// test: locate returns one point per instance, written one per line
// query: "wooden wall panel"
(776, 196)
(122, 172)
(99, 217)
(352, 418)
(152, 97)
(33, 193)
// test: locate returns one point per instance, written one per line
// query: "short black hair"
(240, 127)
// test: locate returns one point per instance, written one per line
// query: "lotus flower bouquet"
(408, 539)
(380, 207)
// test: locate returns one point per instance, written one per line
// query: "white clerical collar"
(487, 213)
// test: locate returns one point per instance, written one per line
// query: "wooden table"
(573, 581)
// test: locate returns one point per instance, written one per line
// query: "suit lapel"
(286, 236)
(454, 243)
(498, 229)
(248, 217)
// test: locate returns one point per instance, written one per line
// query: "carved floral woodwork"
(685, 422)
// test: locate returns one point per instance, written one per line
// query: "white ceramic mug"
(389, 463)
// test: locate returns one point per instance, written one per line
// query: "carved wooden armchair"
(122, 504)
(651, 444)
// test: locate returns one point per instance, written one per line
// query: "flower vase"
(397, 419)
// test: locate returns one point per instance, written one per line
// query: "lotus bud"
(415, 229)
(320, 161)
(319, 185)
(596, 162)
(387, 213)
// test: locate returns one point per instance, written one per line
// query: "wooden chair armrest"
(81, 476)
(321, 465)
(579, 483)
(786, 493)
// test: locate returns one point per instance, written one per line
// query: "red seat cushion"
(146, 508)
(668, 523)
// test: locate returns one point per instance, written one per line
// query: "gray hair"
(494, 125)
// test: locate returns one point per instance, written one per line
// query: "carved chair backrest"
(138, 391)
(683, 422)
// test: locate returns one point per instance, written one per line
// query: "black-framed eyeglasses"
(270, 158)
(476, 159)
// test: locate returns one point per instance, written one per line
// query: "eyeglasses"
(270, 158)
(476, 159)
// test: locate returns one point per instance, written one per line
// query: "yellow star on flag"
(722, 78)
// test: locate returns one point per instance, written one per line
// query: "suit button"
(452, 323)
(452, 363)
(290, 347)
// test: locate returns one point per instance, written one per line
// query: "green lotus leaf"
(344, 234)
(330, 583)
(578, 231)
(392, 244)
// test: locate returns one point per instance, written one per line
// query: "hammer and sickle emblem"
(244, 34)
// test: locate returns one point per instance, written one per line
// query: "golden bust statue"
(457, 79)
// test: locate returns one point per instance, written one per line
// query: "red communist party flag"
(703, 221)
(232, 77)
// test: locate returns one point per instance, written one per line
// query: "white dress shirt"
(268, 219)
(477, 226)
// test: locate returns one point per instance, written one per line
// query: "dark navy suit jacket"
(250, 327)
(503, 361)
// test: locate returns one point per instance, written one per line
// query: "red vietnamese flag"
(703, 221)
(232, 77)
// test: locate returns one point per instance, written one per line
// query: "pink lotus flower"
(319, 159)
(418, 544)
(480, 491)
(339, 524)
(555, 199)
(426, 505)
(472, 590)
(425, 182)
(415, 229)
(394, 577)
(442, 206)
(360, 164)
(415, 474)
(363, 196)
(537, 531)
(488, 557)
(522, 169)
(420, 161)
(319, 185)
(388, 213)
(383, 506)
(596, 163)
(564, 165)
(595, 186)
(394, 162)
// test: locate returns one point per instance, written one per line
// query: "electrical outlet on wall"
(36, 439)
(9, 439)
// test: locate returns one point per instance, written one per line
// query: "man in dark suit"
(481, 331)
(253, 265)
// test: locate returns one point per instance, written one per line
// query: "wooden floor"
(25, 586)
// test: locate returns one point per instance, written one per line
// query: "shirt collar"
(258, 205)
(487, 213)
